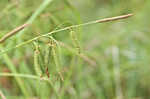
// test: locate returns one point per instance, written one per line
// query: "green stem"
(13, 70)
(67, 28)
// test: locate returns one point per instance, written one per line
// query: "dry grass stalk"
(13, 32)
(114, 18)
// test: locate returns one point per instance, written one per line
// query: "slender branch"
(13, 32)
(70, 27)
(23, 76)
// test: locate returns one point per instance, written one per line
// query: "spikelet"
(36, 60)
(56, 59)
(47, 54)
(47, 57)
(75, 41)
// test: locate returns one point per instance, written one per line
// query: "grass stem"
(69, 27)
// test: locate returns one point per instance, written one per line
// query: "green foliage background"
(119, 50)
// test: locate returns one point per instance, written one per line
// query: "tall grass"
(87, 60)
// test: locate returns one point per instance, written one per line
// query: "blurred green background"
(114, 59)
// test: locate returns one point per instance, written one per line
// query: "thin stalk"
(66, 28)
(13, 32)
(36, 14)
(20, 75)
(13, 70)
